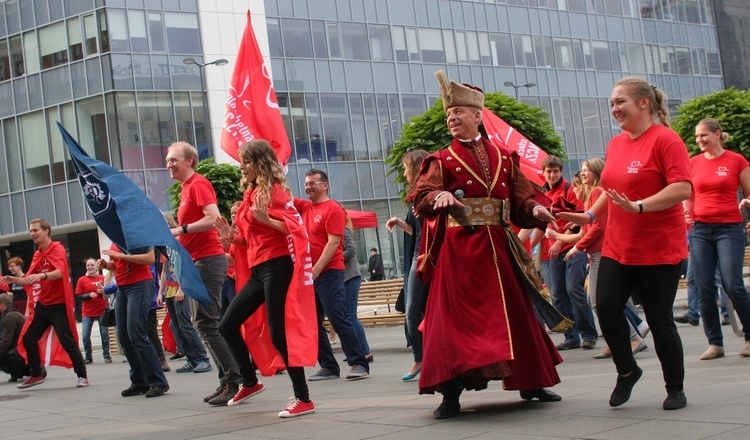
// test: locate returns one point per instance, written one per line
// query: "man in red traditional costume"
(51, 306)
(480, 323)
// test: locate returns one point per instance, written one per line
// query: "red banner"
(252, 110)
(503, 135)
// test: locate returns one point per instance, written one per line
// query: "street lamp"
(219, 62)
(527, 85)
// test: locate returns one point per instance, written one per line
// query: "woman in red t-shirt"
(717, 238)
(262, 229)
(647, 175)
(92, 309)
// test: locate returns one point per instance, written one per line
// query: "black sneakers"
(675, 400)
(624, 387)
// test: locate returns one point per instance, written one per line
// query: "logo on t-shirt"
(634, 166)
(318, 218)
(722, 171)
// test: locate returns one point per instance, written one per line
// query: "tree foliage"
(224, 177)
(730, 107)
(428, 131)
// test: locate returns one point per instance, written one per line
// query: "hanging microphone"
(459, 194)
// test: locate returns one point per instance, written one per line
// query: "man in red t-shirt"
(92, 309)
(52, 302)
(196, 214)
(565, 279)
(325, 221)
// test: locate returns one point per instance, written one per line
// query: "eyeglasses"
(310, 184)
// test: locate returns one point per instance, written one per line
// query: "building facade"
(348, 74)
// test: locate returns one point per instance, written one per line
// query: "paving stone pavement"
(384, 407)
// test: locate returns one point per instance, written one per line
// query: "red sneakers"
(245, 393)
(31, 381)
(297, 408)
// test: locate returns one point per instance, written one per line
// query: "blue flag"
(129, 218)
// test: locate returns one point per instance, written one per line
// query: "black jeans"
(152, 330)
(268, 284)
(55, 316)
(657, 286)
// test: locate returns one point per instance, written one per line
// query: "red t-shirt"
(640, 168)
(263, 242)
(130, 273)
(715, 182)
(593, 239)
(52, 291)
(196, 193)
(95, 306)
(554, 194)
(322, 219)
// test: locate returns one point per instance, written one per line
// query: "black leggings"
(657, 286)
(268, 284)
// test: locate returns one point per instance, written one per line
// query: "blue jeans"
(719, 245)
(566, 286)
(131, 309)
(87, 323)
(184, 331)
(330, 301)
(694, 306)
(351, 290)
(413, 301)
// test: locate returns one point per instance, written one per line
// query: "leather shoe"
(542, 394)
(447, 410)
(685, 319)
(624, 387)
(603, 355)
(567, 346)
(134, 391)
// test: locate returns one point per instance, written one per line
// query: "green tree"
(730, 107)
(224, 177)
(428, 131)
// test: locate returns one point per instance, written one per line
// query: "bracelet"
(640, 206)
(45, 275)
(438, 196)
(591, 216)
(184, 228)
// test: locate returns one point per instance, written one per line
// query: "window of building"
(157, 126)
(75, 39)
(297, 38)
(4, 60)
(90, 32)
(334, 40)
(92, 128)
(714, 65)
(600, 51)
(450, 46)
(320, 45)
(31, 52)
(431, 45)
(355, 42)
(53, 46)
(182, 33)
(380, 43)
(13, 155)
(18, 67)
(374, 141)
(359, 132)
(118, 34)
(34, 144)
(137, 30)
(699, 61)
(563, 53)
(336, 126)
(156, 29)
(684, 62)
(184, 117)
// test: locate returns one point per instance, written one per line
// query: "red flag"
(252, 110)
(503, 135)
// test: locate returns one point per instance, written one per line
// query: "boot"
(450, 407)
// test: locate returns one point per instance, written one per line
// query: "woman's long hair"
(596, 166)
(263, 159)
(414, 159)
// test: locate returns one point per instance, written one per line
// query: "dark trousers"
(268, 284)
(152, 330)
(12, 363)
(330, 301)
(657, 286)
(213, 272)
(55, 316)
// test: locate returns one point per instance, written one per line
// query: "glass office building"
(348, 74)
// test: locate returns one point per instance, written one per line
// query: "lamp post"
(511, 84)
(219, 62)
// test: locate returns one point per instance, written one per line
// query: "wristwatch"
(640, 206)
(184, 228)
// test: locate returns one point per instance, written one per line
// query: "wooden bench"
(377, 304)
(114, 348)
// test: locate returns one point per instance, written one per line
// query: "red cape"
(50, 350)
(301, 319)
